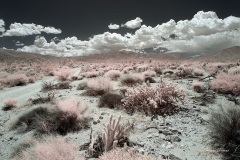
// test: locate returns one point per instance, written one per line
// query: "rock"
(95, 122)
(175, 139)
(173, 157)
(166, 133)
(100, 117)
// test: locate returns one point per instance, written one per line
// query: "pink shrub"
(149, 73)
(113, 74)
(226, 83)
(53, 149)
(9, 103)
(198, 71)
(131, 79)
(16, 80)
(99, 86)
(63, 74)
(234, 70)
(198, 86)
(74, 106)
(151, 100)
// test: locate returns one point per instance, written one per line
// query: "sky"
(79, 27)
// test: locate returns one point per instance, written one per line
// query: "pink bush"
(198, 86)
(74, 106)
(63, 74)
(151, 100)
(226, 83)
(16, 80)
(9, 103)
(113, 74)
(99, 85)
(53, 149)
(149, 73)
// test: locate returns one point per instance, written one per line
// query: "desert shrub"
(149, 80)
(113, 74)
(226, 84)
(82, 86)
(131, 79)
(114, 135)
(197, 72)
(98, 86)
(63, 85)
(47, 86)
(50, 97)
(63, 74)
(91, 74)
(110, 100)
(15, 80)
(124, 154)
(168, 72)
(61, 120)
(234, 70)
(9, 103)
(52, 148)
(198, 86)
(152, 101)
(158, 70)
(149, 73)
(184, 72)
(225, 131)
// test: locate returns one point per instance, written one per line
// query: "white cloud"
(2, 24)
(205, 32)
(18, 29)
(113, 26)
(132, 24)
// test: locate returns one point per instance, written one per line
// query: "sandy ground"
(181, 136)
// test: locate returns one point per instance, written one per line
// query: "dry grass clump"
(63, 74)
(98, 86)
(9, 103)
(225, 131)
(110, 100)
(51, 148)
(131, 79)
(47, 86)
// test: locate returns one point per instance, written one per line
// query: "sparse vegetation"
(110, 100)
(225, 131)
(9, 103)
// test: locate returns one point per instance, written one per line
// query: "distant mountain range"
(229, 54)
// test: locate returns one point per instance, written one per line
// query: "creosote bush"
(9, 103)
(98, 86)
(152, 101)
(69, 116)
(113, 74)
(225, 131)
(131, 79)
(226, 83)
(51, 148)
(110, 100)
(15, 80)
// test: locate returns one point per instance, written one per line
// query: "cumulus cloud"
(205, 32)
(132, 24)
(18, 29)
(113, 26)
(2, 24)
